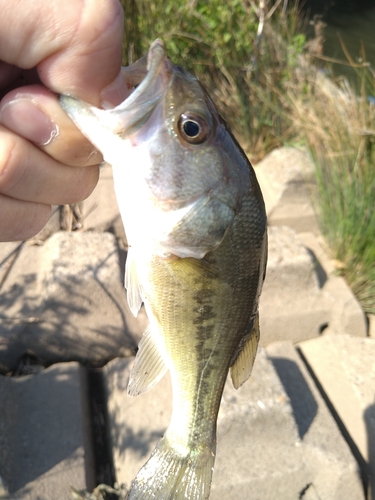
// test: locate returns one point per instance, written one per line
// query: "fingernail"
(116, 92)
(23, 116)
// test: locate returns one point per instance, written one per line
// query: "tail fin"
(170, 476)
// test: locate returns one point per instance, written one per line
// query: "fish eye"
(193, 128)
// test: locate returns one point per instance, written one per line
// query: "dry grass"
(339, 128)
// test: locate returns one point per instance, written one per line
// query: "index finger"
(76, 46)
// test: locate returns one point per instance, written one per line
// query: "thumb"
(76, 49)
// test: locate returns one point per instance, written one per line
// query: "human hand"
(46, 48)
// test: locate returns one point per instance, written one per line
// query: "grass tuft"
(339, 129)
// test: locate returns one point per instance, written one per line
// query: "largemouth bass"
(195, 221)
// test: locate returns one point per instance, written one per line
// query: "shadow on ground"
(301, 399)
(78, 317)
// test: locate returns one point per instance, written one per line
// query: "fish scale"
(196, 225)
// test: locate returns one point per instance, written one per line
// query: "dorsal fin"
(241, 369)
(149, 366)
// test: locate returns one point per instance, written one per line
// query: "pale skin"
(48, 48)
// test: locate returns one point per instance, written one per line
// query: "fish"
(196, 226)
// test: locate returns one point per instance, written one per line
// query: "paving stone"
(292, 306)
(65, 301)
(286, 177)
(345, 368)
(276, 438)
(45, 434)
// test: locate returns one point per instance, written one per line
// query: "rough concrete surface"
(8, 254)
(345, 368)
(346, 314)
(44, 434)
(275, 441)
(72, 284)
(292, 306)
(100, 210)
(371, 328)
(286, 178)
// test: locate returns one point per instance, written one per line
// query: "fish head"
(179, 174)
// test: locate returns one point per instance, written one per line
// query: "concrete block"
(20, 302)
(65, 301)
(371, 325)
(45, 434)
(273, 439)
(136, 424)
(346, 314)
(335, 472)
(100, 210)
(8, 254)
(345, 368)
(286, 177)
(53, 225)
(291, 305)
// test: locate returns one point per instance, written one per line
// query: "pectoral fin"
(149, 366)
(241, 369)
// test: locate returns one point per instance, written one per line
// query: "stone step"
(65, 300)
(345, 368)
(301, 293)
(286, 177)
(45, 440)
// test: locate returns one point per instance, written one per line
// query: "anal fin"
(149, 366)
(241, 369)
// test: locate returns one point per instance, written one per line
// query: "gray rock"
(276, 438)
(64, 301)
(45, 434)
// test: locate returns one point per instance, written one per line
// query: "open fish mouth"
(147, 80)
